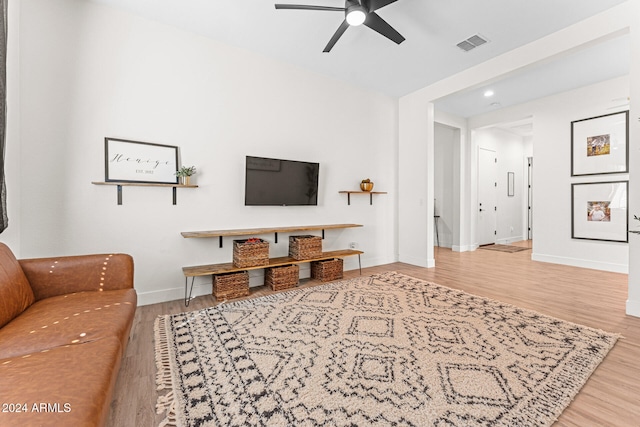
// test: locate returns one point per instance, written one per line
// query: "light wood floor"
(611, 397)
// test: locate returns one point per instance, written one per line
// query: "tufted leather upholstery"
(63, 337)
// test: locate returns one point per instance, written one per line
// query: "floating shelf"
(370, 193)
(121, 184)
(250, 231)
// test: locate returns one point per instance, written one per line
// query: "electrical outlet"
(353, 245)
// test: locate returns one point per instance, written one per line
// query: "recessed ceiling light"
(488, 93)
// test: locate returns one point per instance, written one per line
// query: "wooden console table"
(228, 267)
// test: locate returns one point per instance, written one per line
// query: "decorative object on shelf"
(284, 277)
(231, 285)
(142, 162)
(250, 252)
(599, 211)
(327, 270)
(366, 185)
(184, 174)
(600, 145)
(305, 247)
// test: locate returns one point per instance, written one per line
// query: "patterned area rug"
(372, 351)
(504, 248)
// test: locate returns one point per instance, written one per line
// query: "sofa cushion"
(15, 293)
(65, 386)
(50, 277)
(69, 319)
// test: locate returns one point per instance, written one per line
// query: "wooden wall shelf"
(370, 193)
(250, 231)
(120, 184)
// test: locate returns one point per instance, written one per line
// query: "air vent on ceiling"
(472, 43)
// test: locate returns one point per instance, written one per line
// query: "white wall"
(416, 182)
(509, 149)
(461, 169)
(416, 135)
(552, 117)
(552, 182)
(446, 139)
(89, 71)
(633, 300)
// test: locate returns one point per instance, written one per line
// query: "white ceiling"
(432, 29)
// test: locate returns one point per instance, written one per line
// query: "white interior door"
(487, 195)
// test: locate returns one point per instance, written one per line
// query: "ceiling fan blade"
(307, 7)
(339, 32)
(378, 24)
(377, 4)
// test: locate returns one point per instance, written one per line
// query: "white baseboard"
(164, 295)
(633, 308)
(464, 248)
(420, 262)
(584, 263)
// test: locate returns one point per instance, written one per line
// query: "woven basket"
(231, 285)
(282, 277)
(327, 270)
(305, 247)
(250, 254)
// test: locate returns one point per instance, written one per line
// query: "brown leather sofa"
(64, 327)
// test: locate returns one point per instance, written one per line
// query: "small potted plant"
(366, 185)
(184, 173)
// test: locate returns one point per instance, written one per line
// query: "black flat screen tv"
(278, 182)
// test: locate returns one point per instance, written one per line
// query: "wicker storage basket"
(231, 285)
(327, 270)
(282, 277)
(250, 253)
(305, 247)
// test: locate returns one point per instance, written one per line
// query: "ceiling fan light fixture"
(356, 15)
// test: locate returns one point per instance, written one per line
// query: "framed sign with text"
(133, 161)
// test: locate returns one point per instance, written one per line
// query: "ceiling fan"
(356, 12)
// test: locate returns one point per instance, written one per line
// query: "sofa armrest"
(50, 277)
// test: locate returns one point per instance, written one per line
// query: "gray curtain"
(4, 221)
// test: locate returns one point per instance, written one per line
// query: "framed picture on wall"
(133, 161)
(511, 184)
(599, 211)
(600, 145)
